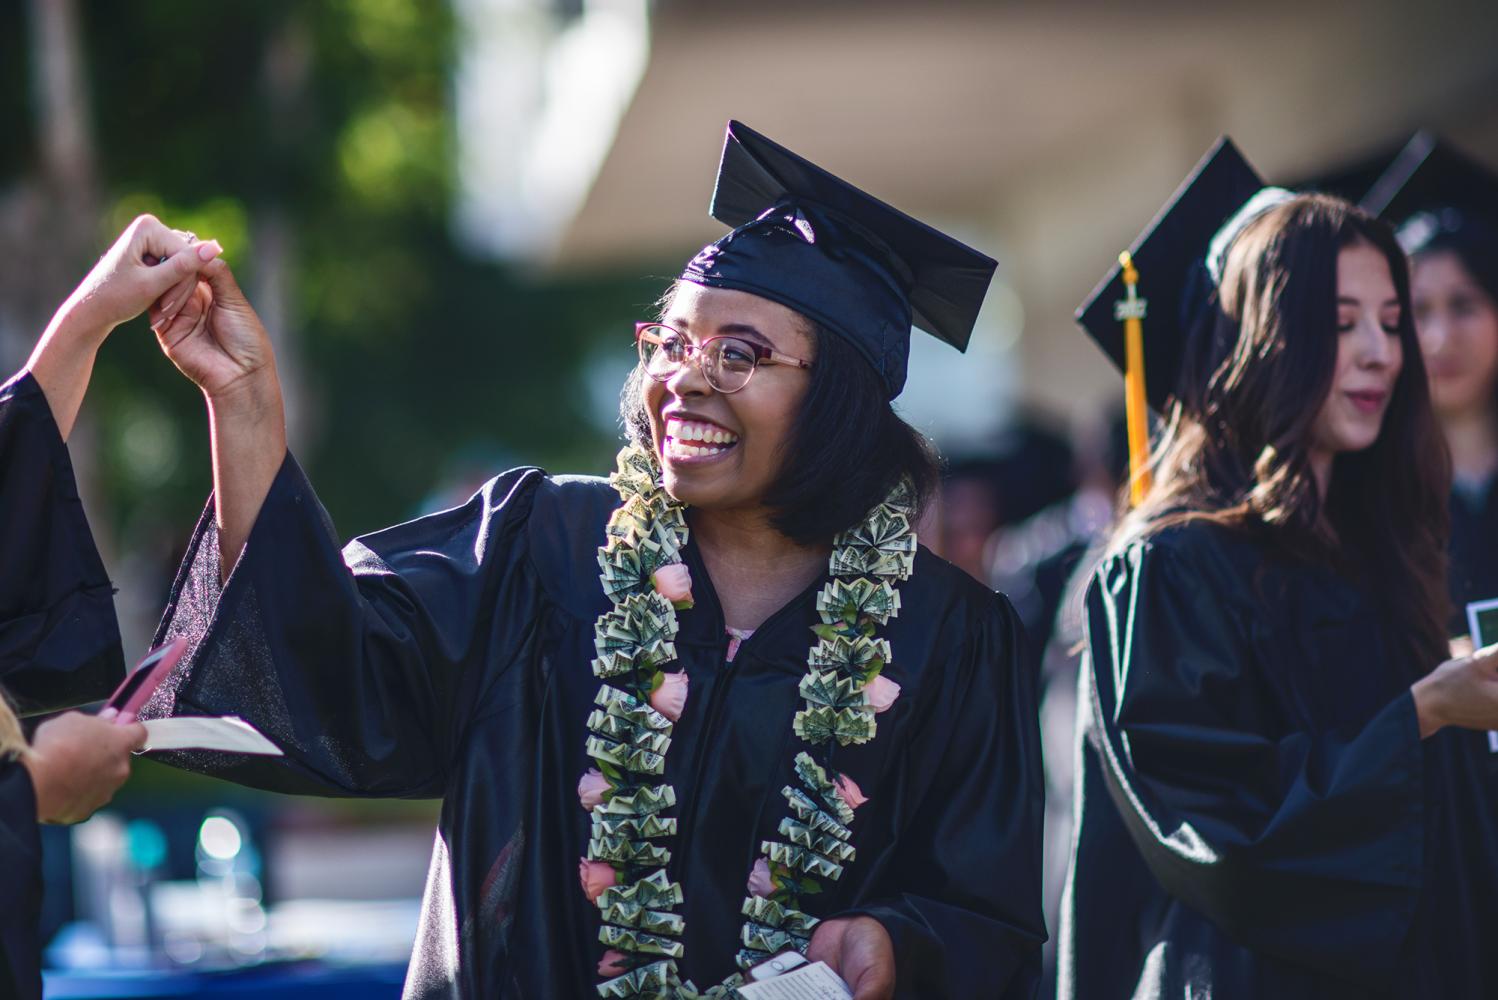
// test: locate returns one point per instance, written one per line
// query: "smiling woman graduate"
(716, 706)
(1282, 792)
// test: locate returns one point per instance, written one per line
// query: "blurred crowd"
(1026, 516)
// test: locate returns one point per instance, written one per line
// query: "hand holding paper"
(809, 982)
(859, 950)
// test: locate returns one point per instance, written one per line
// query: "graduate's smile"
(691, 440)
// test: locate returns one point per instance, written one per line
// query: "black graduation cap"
(1430, 175)
(817, 244)
(1171, 260)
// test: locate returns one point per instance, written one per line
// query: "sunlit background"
(449, 215)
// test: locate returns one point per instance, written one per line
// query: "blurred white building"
(1045, 133)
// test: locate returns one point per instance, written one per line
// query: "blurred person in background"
(1446, 206)
(1043, 566)
(1031, 560)
(59, 639)
(1284, 792)
(1026, 469)
(768, 494)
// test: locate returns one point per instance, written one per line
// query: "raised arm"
(215, 338)
(59, 640)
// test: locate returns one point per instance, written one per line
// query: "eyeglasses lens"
(726, 362)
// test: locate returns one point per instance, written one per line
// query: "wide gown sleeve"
(961, 899)
(363, 665)
(1302, 844)
(59, 639)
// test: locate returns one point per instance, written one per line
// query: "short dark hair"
(1472, 241)
(848, 448)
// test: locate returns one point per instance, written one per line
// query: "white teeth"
(681, 430)
(676, 447)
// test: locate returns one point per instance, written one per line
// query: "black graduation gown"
(1258, 816)
(20, 885)
(449, 657)
(59, 638)
(1474, 550)
(59, 642)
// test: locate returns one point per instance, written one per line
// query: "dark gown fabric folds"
(20, 885)
(59, 639)
(59, 642)
(450, 657)
(1258, 816)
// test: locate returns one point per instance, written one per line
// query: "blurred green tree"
(315, 142)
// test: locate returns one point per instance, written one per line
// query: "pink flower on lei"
(591, 788)
(670, 696)
(595, 877)
(674, 583)
(851, 793)
(881, 692)
(612, 963)
(760, 883)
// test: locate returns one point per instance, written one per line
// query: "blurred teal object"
(288, 981)
(146, 845)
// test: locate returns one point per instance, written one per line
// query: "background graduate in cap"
(1446, 207)
(716, 707)
(1283, 794)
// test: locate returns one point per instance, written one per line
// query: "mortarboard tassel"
(1131, 311)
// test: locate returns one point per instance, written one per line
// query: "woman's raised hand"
(1461, 692)
(214, 336)
(149, 262)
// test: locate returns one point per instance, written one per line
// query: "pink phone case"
(143, 681)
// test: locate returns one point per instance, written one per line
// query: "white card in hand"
(1482, 622)
(229, 733)
(810, 982)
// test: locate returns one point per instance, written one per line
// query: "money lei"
(629, 739)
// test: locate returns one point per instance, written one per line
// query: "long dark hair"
(1235, 450)
(848, 447)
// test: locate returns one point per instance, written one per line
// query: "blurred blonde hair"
(12, 740)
